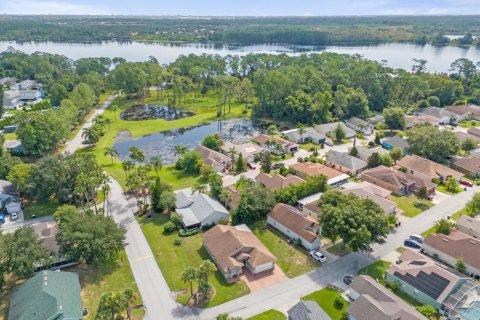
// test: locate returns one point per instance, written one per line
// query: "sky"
(242, 7)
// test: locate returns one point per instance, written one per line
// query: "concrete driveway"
(439, 197)
(264, 279)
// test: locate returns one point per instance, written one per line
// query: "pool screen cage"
(464, 302)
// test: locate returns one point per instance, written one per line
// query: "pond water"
(396, 55)
(154, 111)
(162, 143)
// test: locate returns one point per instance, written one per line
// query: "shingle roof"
(436, 112)
(471, 164)
(469, 225)
(327, 128)
(294, 135)
(397, 178)
(427, 167)
(262, 139)
(235, 196)
(278, 181)
(46, 294)
(230, 245)
(463, 109)
(311, 169)
(364, 153)
(213, 158)
(377, 302)
(474, 131)
(383, 203)
(358, 122)
(294, 220)
(397, 142)
(246, 149)
(457, 245)
(198, 207)
(345, 160)
(307, 310)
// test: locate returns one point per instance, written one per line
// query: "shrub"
(338, 302)
(169, 227)
(443, 226)
(436, 180)
(177, 242)
(427, 310)
(187, 233)
(394, 286)
(176, 219)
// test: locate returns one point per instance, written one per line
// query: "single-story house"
(249, 151)
(276, 145)
(278, 181)
(14, 146)
(420, 119)
(307, 200)
(307, 170)
(397, 182)
(419, 166)
(364, 153)
(8, 81)
(9, 200)
(307, 310)
(47, 295)
(469, 226)
(10, 129)
(379, 195)
(234, 197)
(345, 162)
(470, 166)
(474, 131)
(199, 210)
(311, 209)
(295, 225)
(376, 119)
(310, 135)
(327, 129)
(423, 279)
(215, 159)
(374, 301)
(395, 142)
(442, 114)
(469, 111)
(235, 248)
(360, 125)
(462, 136)
(450, 248)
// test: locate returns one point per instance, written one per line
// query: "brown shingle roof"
(427, 167)
(262, 139)
(457, 245)
(230, 245)
(278, 181)
(312, 206)
(397, 178)
(311, 169)
(463, 109)
(235, 196)
(294, 220)
(474, 131)
(213, 158)
(471, 164)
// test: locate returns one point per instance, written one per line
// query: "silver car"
(317, 255)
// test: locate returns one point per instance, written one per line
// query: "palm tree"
(180, 149)
(106, 192)
(108, 122)
(127, 166)
(232, 152)
(207, 268)
(189, 275)
(111, 152)
(157, 163)
(114, 108)
(136, 154)
(272, 129)
(128, 297)
(225, 197)
(301, 130)
(199, 187)
(91, 135)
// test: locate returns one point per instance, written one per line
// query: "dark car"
(279, 165)
(252, 166)
(347, 280)
(412, 244)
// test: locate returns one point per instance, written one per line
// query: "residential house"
(360, 126)
(345, 162)
(423, 279)
(199, 210)
(307, 170)
(249, 151)
(376, 119)
(453, 247)
(397, 182)
(328, 129)
(311, 209)
(462, 136)
(14, 146)
(9, 200)
(8, 81)
(395, 142)
(469, 225)
(364, 153)
(421, 119)
(47, 295)
(295, 225)
(469, 166)
(442, 114)
(278, 181)
(276, 145)
(428, 169)
(307, 310)
(234, 197)
(474, 131)
(310, 135)
(236, 248)
(10, 129)
(215, 159)
(374, 301)
(379, 195)
(463, 302)
(468, 111)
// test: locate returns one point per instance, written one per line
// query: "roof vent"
(472, 242)
(446, 240)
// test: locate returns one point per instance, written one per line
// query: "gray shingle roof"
(346, 160)
(307, 310)
(198, 207)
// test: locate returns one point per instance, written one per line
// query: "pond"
(163, 143)
(154, 111)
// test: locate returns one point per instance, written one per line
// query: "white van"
(416, 237)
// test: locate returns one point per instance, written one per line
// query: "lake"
(396, 55)
(162, 143)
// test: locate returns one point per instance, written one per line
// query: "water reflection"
(155, 111)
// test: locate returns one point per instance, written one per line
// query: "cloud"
(50, 7)
(435, 11)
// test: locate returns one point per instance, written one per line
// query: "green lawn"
(10, 136)
(454, 217)
(40, 209)
(269, 315)
(469, 124)
(114, 276)
(292, 260)
(205, 109)
(325, 299)
(343, 141)
(173, 259)
(411, 205)
(442, 188)
(376, 270)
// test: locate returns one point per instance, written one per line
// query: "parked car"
(412, 244)
(347, 280)
(416, 237)
(278, 165)
(329, 143)
(13, 216)
(252, 166)
(2, 218)
(466, 183)
(317, 255)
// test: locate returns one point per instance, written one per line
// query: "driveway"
(264, 279)
(439, 197)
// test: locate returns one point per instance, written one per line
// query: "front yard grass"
(269, 315)
(40, 209)
(442, 188)
(173, 260)
(10, 136)
(292, 260)
(376, 270)
(469, 124)
(454, 217)
(411, 205)
(339, 249)
(326, 300)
